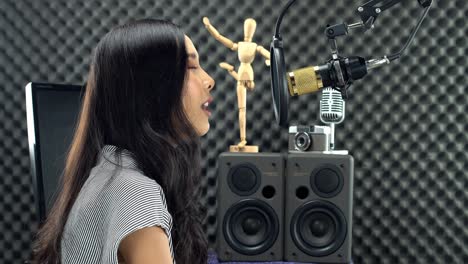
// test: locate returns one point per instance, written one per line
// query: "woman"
(130, 190)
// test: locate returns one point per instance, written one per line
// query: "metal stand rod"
(332, 136)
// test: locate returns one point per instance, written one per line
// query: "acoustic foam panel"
(405, 123)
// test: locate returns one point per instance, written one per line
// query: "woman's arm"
(146, 246)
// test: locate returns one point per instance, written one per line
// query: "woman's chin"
(205, 129)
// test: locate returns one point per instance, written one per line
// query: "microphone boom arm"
(339, 72)
(368, 13)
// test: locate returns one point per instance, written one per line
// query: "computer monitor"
(52, 113)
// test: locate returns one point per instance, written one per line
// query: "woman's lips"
(205, 106)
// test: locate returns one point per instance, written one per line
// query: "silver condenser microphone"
(332, 110)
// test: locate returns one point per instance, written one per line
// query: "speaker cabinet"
(318, 208)
(250, 206)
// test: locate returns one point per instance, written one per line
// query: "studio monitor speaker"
(250, 206)
(318, 208)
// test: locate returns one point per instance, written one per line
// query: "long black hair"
(133, 100)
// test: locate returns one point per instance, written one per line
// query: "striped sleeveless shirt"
(115, 201)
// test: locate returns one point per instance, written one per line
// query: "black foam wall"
(406, 124)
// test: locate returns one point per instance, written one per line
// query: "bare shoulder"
(146, 245)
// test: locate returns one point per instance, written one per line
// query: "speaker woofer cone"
(318, 228)
(251, 226)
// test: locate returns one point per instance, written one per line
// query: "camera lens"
(302, 141)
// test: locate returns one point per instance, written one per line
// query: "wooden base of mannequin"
(235, 148)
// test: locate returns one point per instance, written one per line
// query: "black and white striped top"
(115, 201)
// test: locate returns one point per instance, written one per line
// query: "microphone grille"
(332, 106)
(303, 81)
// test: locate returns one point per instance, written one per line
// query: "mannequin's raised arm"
(225, 41)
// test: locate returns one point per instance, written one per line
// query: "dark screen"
(56, 113)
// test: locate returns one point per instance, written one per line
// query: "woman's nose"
(211, 83)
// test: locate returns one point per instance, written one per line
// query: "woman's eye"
(193, 67)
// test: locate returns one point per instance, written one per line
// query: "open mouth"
(206, 106)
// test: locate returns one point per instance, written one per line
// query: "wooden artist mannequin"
(246, 51)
